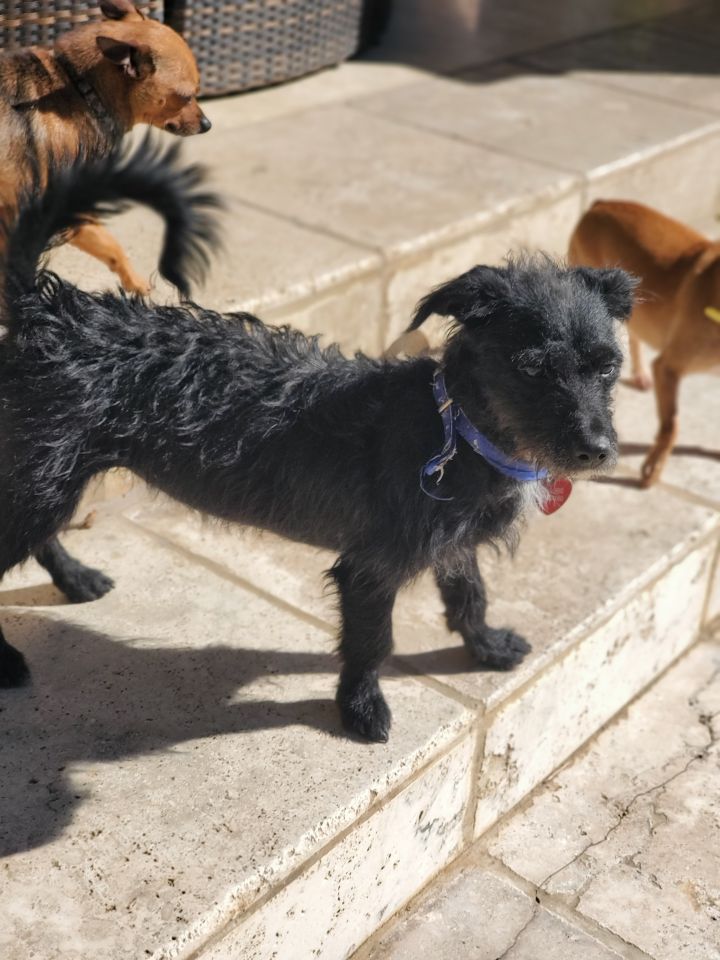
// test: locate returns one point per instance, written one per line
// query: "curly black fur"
(261, 426)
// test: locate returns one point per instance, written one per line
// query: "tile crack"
(521, 931)
(706, 721)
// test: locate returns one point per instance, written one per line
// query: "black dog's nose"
(205, 124)
(593, 452)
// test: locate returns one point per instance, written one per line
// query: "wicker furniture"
(25, 23)
(241, 44)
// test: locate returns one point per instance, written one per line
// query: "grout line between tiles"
(643, 586)
(475, 852)
(226, 574)
(710, 585)
(556, 905)
(195, 951)
(527, 801)
(398, 661)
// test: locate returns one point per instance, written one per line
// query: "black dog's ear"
(616, 287)
(468, 297)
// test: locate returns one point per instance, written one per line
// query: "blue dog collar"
(455, 423)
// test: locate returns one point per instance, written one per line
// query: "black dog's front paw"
(13, 669)
(499, 649)
(364, 711)
(85, 585)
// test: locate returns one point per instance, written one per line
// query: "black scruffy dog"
(260, 426)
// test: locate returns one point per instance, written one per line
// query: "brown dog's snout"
(188, 128)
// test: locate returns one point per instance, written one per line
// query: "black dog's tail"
(150, 175)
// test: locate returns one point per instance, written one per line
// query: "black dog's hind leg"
(29, 526)
(13, 669)
(366, 639)
(79, 583)
(463, 593)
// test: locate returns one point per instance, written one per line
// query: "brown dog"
(677, 310)
(97, 83)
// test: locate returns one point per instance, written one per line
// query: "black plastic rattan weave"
(25, 23)
(241, 44)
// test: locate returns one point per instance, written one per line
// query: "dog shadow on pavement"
(93, 699)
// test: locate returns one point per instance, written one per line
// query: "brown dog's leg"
(94, 239)
(640, 377)
(667, 381)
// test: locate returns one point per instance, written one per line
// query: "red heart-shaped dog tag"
(558, 490)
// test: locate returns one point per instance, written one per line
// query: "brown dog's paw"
(651, 469)
(641, 381)
(135, 284)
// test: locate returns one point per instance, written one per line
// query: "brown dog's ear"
(616, 287)
(468, 297)
(120, 10)
(135, 60)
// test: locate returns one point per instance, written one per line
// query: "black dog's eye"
(530, 371)
(607, 371)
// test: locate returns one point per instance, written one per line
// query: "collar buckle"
(455, 421)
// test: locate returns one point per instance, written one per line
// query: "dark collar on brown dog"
(106, 120)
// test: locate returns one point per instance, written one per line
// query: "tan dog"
(97, 83)
(677, 310)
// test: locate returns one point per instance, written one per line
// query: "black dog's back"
(224, 413)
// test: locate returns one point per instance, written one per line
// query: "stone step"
(178, 769)
(352, 192)
(613, 857)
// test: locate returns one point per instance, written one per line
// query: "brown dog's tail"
(150, 175)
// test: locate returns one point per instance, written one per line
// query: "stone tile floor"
(616, 855)
(472, 128)
(174, 784)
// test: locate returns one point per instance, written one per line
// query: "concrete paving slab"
(627, 833)
(695, 463)
(473, 913)
(365, 878)
(713, 607)
(664, 66)
(265, 263)
(558, 120)
(179, 755)
(682, 182)
(547, 226)
(373, 182)
(336, 85)
(531, 735)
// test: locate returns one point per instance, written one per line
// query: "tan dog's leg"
(640, 377)
(94, 239)
(667, 381)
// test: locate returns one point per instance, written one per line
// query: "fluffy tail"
(151, 175)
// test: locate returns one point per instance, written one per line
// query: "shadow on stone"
(96, 700)
(680, 450)
(581, 35)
